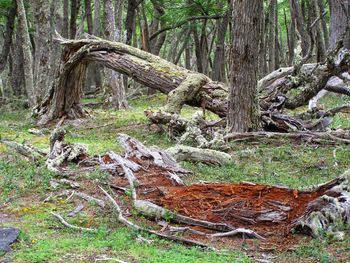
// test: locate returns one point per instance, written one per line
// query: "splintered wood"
(221, 210)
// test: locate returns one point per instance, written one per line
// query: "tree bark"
(65, 27)
(114, 79)
(289, 87)
(27, 54)
(272, 35)
(218, 72)
(88, 13)
(130, 20)
(338, 20)
(243, 114)
(41, 10)
(74, 10)
(8, 35)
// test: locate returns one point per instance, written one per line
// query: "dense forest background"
(193, 34)
(174, 130)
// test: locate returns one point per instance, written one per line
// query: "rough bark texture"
(338, 20)
(143, 67)
(8, 35)
(41, 9)
(243, 112)
(27, 54)
(289, 87)
(114, 80)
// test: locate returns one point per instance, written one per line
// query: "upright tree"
(41, 10)
(27, 53)
(114, 79)
(243, 113)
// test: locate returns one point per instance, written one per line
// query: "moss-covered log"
(288, 87)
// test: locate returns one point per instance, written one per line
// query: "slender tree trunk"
(324, 24)
(318, 33)
(56, 23)
(130, 20)
(88, 14)
(27, 54)
(17, 76)
(300, 25)
(243, 113)
(197, 48)
(8, 35)
(74, 10)
(114, 79)
(65, 27)
(292, 34)
(277, 47)
(41, 10)
(218, 72)
(272, 35)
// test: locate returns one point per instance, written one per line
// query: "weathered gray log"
(329, 209)
(187, 153)
(342, 137)
(134, 148)
(25, 149)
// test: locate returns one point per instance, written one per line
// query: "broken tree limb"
(65, 223)
(26, 150)
(133, 226)
(187, 153)
(336, 137)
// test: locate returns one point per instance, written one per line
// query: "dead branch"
(187, 153)
(334, 137)
(90, 199)
(129, 224)
(26, 150)
(65, 223)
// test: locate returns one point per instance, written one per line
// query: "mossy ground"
(24, 186)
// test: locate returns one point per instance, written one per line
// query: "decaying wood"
(187, 153)
(26, 150)
(288, 87)
(133, 226)
(61, 152)
(65, 223)
(90, 199)
(333, 137)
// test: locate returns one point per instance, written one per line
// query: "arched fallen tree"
(290, 87)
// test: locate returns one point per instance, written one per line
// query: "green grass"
(23, 186)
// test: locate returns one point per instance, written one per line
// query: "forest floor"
(24, 186)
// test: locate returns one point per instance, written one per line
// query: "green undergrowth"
(24, 185)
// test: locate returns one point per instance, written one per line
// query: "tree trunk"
(338, 20)
(272, 35)
(88, 13)
(41, 10)
(114, 79)
(65, 27)
(8, 35)
(289, 87)
(74, 10)
(130, 20)
(218, 72)
(27, 54)
(17, 76)
(300, 25)
(243, 114)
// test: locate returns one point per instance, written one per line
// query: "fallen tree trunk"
(182, 85)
